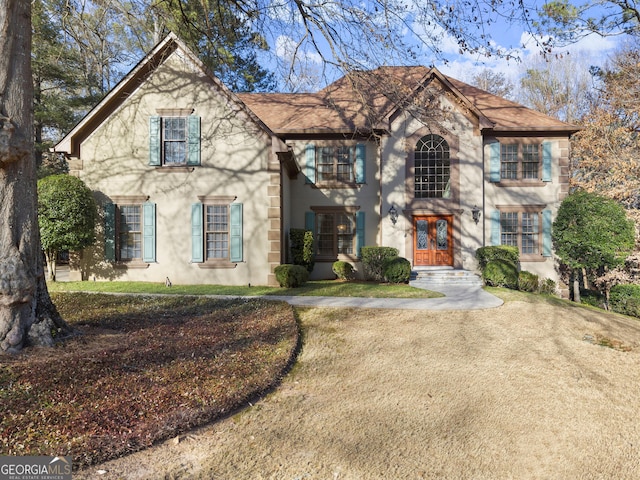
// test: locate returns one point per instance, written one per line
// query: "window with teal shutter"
(361, 163)
(359, 232)
(494, 162)
(235, 214)
(546, 233)
(310, 222)
(149, 232)
(310, 159)
(197, 241)
(110, 232)
(495, 227)
(193, 158)
(546, 161)
(154, 141)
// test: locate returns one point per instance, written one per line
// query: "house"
(201, 185)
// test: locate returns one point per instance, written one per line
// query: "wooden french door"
(433, 240)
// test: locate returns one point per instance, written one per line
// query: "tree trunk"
(576, 286)
(51, 264)
(27, 315)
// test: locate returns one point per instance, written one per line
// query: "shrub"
(547, 286)
(590, 297)
(373, 259)
(302, 247)
(485, 255)
(397, 270)
(625, 299)
(500, 273)
(344, 270)
(291, 276)
(528, 282)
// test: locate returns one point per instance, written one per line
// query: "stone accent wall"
(274, 194)
(563, 163)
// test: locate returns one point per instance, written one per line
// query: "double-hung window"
(130, 230)
(338, 231)
(335, 165)
(524, 161)
(174, 139)
(216, 231)
(528, 228)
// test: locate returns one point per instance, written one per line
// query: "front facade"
(198, 185)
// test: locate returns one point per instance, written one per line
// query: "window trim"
(539, 210)
(445, 157)
(544, 161)
(192, 139)
(147, 226)
(215, 200)
(352, 211)
(357, 167)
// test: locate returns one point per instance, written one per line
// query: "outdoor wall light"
(393, 214)
(475, 213)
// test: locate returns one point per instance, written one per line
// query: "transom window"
(129, 233)
(432, 168)
(522, 230)
(335, 234)
(335, 163)
(217, 232)
(174, 140)
(519, 161)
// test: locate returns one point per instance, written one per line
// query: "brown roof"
(362, 101)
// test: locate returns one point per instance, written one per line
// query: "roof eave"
(556, 129)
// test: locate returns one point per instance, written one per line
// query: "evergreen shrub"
(501, 273)
(344, 270)
(397, 270)
(373, 259)
(291, 276)
(528, 282)
(484, 255)
(625, 299)
(301, 242)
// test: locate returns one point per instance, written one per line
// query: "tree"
(493, 82)
(591, 232)
(27, 314)
(67, 216)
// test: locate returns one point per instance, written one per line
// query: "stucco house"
(202, 185)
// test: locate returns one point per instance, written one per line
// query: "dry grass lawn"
(522, 391)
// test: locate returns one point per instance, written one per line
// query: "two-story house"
(202, 185)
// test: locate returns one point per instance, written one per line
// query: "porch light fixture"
(475, 213)
(393, 214)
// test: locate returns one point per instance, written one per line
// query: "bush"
(625, 299)
(500, 273)
(590, 297)
(397, 270)
(547, 286)
(344, 270)
(302, 247)
(373, 259)
(485, 255)
(528, 282)
(291, 276)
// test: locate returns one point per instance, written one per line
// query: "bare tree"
(493, 82)
(27, 314)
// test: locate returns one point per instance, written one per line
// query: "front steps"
(438, 277)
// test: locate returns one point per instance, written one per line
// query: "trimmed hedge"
(547, 286)
(501, 273)
(373, 259)
(485, 255)
(528, 282)
(397, 270)
(291, 276)
(301, 241)
(344, 270)
(625, 299)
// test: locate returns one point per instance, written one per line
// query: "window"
(432, 168)
(174, 139)
(130, 230)
(528, 228)
(523, 161)
(337, 231)
(216, 236)
(337, 165)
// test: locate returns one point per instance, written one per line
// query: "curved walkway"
(456, 298)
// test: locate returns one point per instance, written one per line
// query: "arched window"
(432, 168)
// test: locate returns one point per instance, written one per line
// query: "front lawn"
(142, 369)
(329, 288)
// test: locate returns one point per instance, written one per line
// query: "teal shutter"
(494, 162)
(110, 232)
(310, 222)
(193, 158)
(495, 227)
(235, 254)
(154, 141)
(546, 161)
(149, 232)
(310, 158)
(361, 163)
(359, 232)
(546, 233)
(197, 242)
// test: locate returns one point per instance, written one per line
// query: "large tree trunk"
(27, 315)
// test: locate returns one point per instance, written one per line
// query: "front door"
(433, 240)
